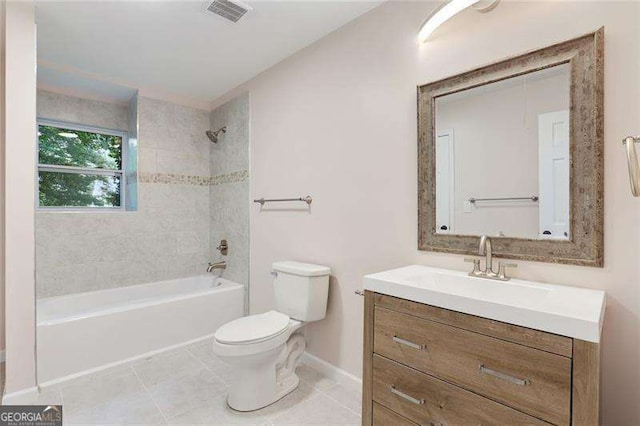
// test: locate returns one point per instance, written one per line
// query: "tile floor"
(188, 386)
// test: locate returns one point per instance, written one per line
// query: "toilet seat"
(259, 346)
(253, 329)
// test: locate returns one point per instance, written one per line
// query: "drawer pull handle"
(408, 343)
(405, 396)
(503, 376)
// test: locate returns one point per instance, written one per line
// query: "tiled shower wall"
(229, 192)
(167, 237)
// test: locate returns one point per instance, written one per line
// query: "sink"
(497, 291)
(567, 311)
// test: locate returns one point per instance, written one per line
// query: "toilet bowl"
(263, 353)
(264, 350)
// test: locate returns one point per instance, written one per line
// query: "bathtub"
(84, 332)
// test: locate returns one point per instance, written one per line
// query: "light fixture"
(447, 10)
(68, 135)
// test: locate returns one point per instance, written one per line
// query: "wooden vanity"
(425, 365)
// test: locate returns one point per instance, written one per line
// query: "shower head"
(213, 136)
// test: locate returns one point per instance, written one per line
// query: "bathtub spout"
(217, 265)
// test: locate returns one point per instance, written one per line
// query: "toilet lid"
(252, 328)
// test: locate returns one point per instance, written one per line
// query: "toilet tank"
(301, 289)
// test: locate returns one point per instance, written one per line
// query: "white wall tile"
(176, 227)
(231, 153)
(168, 237)
(54, 106)
(147, 160)
(229, 202)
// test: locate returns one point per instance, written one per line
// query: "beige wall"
(338, 121)
(495, 134)
(19, 250)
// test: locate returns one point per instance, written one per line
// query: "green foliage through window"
(78, 168)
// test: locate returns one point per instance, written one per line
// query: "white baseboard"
(24, 396)
(331, 371)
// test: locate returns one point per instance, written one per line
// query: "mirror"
(514, 150)
(502, 157)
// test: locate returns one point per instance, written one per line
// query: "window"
(80, 167)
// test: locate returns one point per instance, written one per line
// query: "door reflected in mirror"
(502, 157)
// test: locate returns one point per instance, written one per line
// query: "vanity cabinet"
(425, 365)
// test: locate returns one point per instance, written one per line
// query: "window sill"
(101, 210)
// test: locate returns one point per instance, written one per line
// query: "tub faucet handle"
(223, 248)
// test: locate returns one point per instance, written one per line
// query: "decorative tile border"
(240, 176)
(176, 179)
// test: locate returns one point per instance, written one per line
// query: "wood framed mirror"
(514, 150)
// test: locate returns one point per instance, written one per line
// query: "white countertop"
(567, 311)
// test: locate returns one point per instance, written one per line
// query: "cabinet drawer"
(532, 381)
(382, 416)
(559, 345)
(427, 400)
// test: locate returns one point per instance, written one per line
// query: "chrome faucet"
(216, 265)
(484, 249)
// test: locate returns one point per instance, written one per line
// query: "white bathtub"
(82, 332)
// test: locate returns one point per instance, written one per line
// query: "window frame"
(82, 170)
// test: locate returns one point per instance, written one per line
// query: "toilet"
(264, 349)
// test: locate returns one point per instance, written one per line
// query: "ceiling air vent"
(231, 10)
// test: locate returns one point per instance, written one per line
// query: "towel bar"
(261, 201)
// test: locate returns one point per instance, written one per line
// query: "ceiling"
(178, 47)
